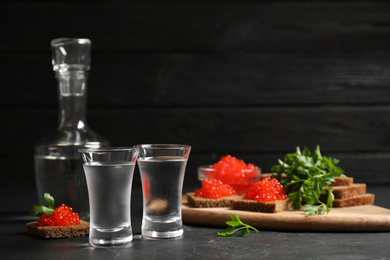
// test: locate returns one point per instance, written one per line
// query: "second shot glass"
(162, 168)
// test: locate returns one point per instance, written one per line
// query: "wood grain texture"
(260, 136)
(209, 79)
(364, 167)
(248, 130)
(270, 26)
(247, 78)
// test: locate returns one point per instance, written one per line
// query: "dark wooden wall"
(253, 79)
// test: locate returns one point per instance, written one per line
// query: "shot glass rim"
(66, 40)
(162, 146)
(106, 149)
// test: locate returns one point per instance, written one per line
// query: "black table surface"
(198, 242)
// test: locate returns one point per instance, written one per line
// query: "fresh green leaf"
(307, 176)
(49, 200)
(38, 210)
(295, 197)
(245, 232)
(236, 218)
(234, 225)
(330, 199)
(314, 210)
(227, 232)
(317, 154)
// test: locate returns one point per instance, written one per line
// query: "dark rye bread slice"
(265, 175)
(342, 181)
(265, 207)
(200, 202)
(339, 181)
(343, 192)
(58, 231)
(364, 199)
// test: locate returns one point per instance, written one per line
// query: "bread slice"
(266, 175)
(339, 181)
(58, 231)
(265, 207)
(200, 202)
(364, 199)
(343, 192)
(342, 181)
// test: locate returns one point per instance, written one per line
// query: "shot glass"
(162, 168)
(109, 174)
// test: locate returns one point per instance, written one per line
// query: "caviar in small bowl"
(239, 179)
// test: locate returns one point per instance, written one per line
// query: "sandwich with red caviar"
(265, 196)
(57, 222)
(214, 193)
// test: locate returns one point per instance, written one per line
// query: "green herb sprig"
(307, 176)
(38, 210)
(234, 225)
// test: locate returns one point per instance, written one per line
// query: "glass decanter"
(58, 167)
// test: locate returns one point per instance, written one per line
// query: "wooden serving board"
(351, 219)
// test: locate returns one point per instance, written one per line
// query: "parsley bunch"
(38, 210)
(307, 176)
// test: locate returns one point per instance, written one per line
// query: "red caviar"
(268, 189)
(62, 216)
(236, 173)
(214, 189)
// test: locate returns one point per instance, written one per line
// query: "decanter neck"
(72, 96)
